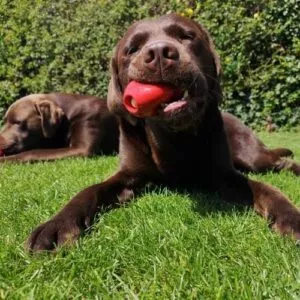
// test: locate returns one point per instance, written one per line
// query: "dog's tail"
(283, 152)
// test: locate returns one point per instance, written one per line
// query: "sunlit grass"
(163, 245)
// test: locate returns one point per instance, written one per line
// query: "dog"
(53, 126)
(45, 127)
(183, 145)
(250, 154)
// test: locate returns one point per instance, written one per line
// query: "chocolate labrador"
(250, 154)
(183, 145)
(52, 126)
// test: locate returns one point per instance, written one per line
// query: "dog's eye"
(136, 42)
(17, 122)
(21, 124)
(188, 35)
(131, 50)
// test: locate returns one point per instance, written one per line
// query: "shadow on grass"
(211, 203)
(204, 203)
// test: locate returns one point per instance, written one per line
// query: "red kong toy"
(143, 99)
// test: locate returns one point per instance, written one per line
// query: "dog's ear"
(216, 58)
(51, 117)
(215, 90)
(211, 48)
(114, 94)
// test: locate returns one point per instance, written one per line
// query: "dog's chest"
(178, 157)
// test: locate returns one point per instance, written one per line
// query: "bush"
(259, 45)
(65, 45)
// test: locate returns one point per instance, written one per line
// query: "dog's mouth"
(159, 99)
(175, 105)
(8, 150)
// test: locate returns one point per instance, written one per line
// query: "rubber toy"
(143, 99)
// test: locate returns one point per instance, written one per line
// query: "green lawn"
(164, 246)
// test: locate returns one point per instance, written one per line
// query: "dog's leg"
(44, 155)
(268, 201)
(80, 212)
(267, 162)
(283, 152)
(287, 164)
(276, 160)
(276, 164)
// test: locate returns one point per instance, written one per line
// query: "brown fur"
(187, 148)
(52, 126)
(249, 154)
(37, 122)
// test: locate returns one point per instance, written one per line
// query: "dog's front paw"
(54, 233)
(288, 223)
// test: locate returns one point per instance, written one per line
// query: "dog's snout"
(161, 54)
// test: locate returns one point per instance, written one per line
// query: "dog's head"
(170, 50)
(28, 122)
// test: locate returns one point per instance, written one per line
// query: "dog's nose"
(160, 54)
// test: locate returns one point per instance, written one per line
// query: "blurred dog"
(53, 126)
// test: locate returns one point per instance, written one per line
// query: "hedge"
(65, 45)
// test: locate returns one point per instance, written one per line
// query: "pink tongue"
(143, 99)
(1, 152)
(175, 106)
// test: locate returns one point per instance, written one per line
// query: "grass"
(166, 245)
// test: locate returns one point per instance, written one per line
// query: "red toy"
(143, 99)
